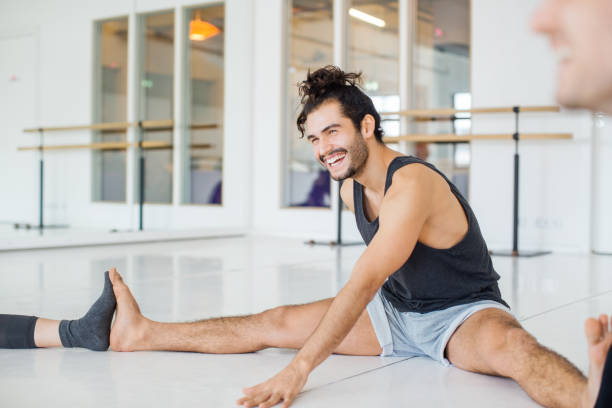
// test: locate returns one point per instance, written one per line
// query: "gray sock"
(92, 331)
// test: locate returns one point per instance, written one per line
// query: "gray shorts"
(411, 334)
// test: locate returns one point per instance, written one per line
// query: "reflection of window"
(305, 183)
(462, 155)
(388, 103)
(441, 73)
(204, 93)
(462, 123)
(156, 101)
(373, 44)
(110, 86)
(439, 76)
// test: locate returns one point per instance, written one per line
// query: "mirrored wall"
(204, 95)
(437, 76)
(372, 48)
(110, 105)
(441, 79)
(156, 101)
(310, 46)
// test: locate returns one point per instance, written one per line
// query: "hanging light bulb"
(201, 30)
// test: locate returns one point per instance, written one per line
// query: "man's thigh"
(477, 344)
(302, 320)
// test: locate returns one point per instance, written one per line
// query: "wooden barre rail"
(451, 112)
(450, 137)
(147, 145)
(146, 124)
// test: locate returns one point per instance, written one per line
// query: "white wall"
(18, 88)
(602, 188)
(513, 66)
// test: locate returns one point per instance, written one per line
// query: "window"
(109, 105)
(204, 110)
(305, 182)
(441, 79)
(156, 78)
(373, 47)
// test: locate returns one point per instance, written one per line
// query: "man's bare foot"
(599, 340)
(130, 327)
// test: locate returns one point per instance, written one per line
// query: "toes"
(593, 330)
(116, 280)
(603, 319)
(114, 275)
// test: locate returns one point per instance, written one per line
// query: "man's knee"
(276, 325)
(507, 348)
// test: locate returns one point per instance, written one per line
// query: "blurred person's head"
(580, 32)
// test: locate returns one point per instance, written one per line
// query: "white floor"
(186, 280)
(18, 239)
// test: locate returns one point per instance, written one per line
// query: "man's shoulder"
(413, 176)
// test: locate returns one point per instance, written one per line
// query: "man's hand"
(285, 385)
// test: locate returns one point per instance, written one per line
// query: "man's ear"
(368, 124)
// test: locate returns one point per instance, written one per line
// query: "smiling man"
(424, 286)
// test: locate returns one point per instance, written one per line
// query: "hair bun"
(323, 80)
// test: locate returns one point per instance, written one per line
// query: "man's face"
(580, 31)
(336, 144)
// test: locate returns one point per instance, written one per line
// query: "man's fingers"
(242, 400)
(246, 401)
(273, 400)
(603, 319)
(288, 400)
(256, 398)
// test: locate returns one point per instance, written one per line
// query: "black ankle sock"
(604, 399)
(17, 332)
(92, 331)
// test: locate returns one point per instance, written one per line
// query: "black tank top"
(435, 279)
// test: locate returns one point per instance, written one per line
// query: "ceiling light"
(201, 30)
(360, 15)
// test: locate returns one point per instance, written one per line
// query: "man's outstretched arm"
(402, 216)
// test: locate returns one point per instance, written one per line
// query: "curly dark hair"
(331, 83)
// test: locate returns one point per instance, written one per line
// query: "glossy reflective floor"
(187, 280)
(23, 238)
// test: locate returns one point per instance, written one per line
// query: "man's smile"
(335, 159)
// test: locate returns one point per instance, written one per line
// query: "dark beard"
(358, 153)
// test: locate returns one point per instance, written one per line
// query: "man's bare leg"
(493, 342)
(46, 333)
(286, 326)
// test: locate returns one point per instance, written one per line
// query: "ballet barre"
(147, 145)
(455, 138)
(109, 126)
(432, 115)
(106, 127)
(444, 112)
